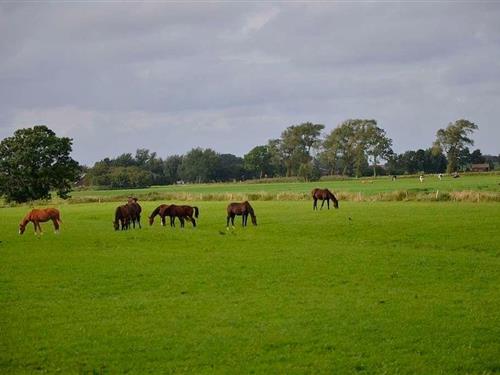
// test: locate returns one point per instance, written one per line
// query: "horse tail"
(196, 211)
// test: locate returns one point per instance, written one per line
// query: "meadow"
(484, 187)
(371, 288)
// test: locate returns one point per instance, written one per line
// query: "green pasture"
(378, 287)
(367, 186)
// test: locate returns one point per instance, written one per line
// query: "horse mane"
(249, 208)
(26, 219)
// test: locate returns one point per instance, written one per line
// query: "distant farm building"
(485, 167)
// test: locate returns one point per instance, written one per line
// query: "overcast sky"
(229, 76)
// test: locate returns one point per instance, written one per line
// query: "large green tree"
(453, 140)
(35, 162)
(378, 144)
(199, 165)
(229, 167)
(258, 161)
(340, 147)
(355, 142)
(296, 143)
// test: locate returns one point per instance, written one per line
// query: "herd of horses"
(130, 213)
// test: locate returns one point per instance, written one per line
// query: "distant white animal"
(440, 176)
(421, 178)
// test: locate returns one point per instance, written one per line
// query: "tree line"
(357, 147)
(35, 162)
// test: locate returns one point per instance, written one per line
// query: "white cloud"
(255, 22)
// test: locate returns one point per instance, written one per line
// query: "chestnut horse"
(160, 210)
(242, 209)
(181, 212)
(37, 216)
(122, 217)
(324, 194)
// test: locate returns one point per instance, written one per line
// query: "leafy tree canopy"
(453, 140)
(34, 162)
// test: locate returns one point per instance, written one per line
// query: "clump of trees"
(146, 169)
(34, 162)
(412, 162)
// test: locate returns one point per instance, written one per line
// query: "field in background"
(379, 287)
(473, 188)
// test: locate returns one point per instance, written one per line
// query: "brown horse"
(37, 216)
(242, 209)
(122, 217)
(324, 194)
(181, 212)
(135, 210)
(160, 210)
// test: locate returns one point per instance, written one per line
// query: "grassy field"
(369, 186)
(399, 288)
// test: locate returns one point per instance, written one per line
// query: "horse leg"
(322, 204)
(227, 222)
(172, 221)
(39, 228)
(232, 220)
(315, 204)
(244, 218)
(56, 226)
(193, 221)
(328, 202)
(35, 226)
(181, 219)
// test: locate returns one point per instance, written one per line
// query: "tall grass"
(398, 195)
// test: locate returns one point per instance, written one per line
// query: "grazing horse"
(181, 212)
(242, 209)
(324, 194)
(122, 217)
(37, 216)
(134, 209)
(160, 210)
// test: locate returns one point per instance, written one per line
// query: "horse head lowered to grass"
(37, 216)
(324, 195)
(174, 211)
(242, 209)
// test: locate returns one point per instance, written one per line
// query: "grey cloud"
(208, 73)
